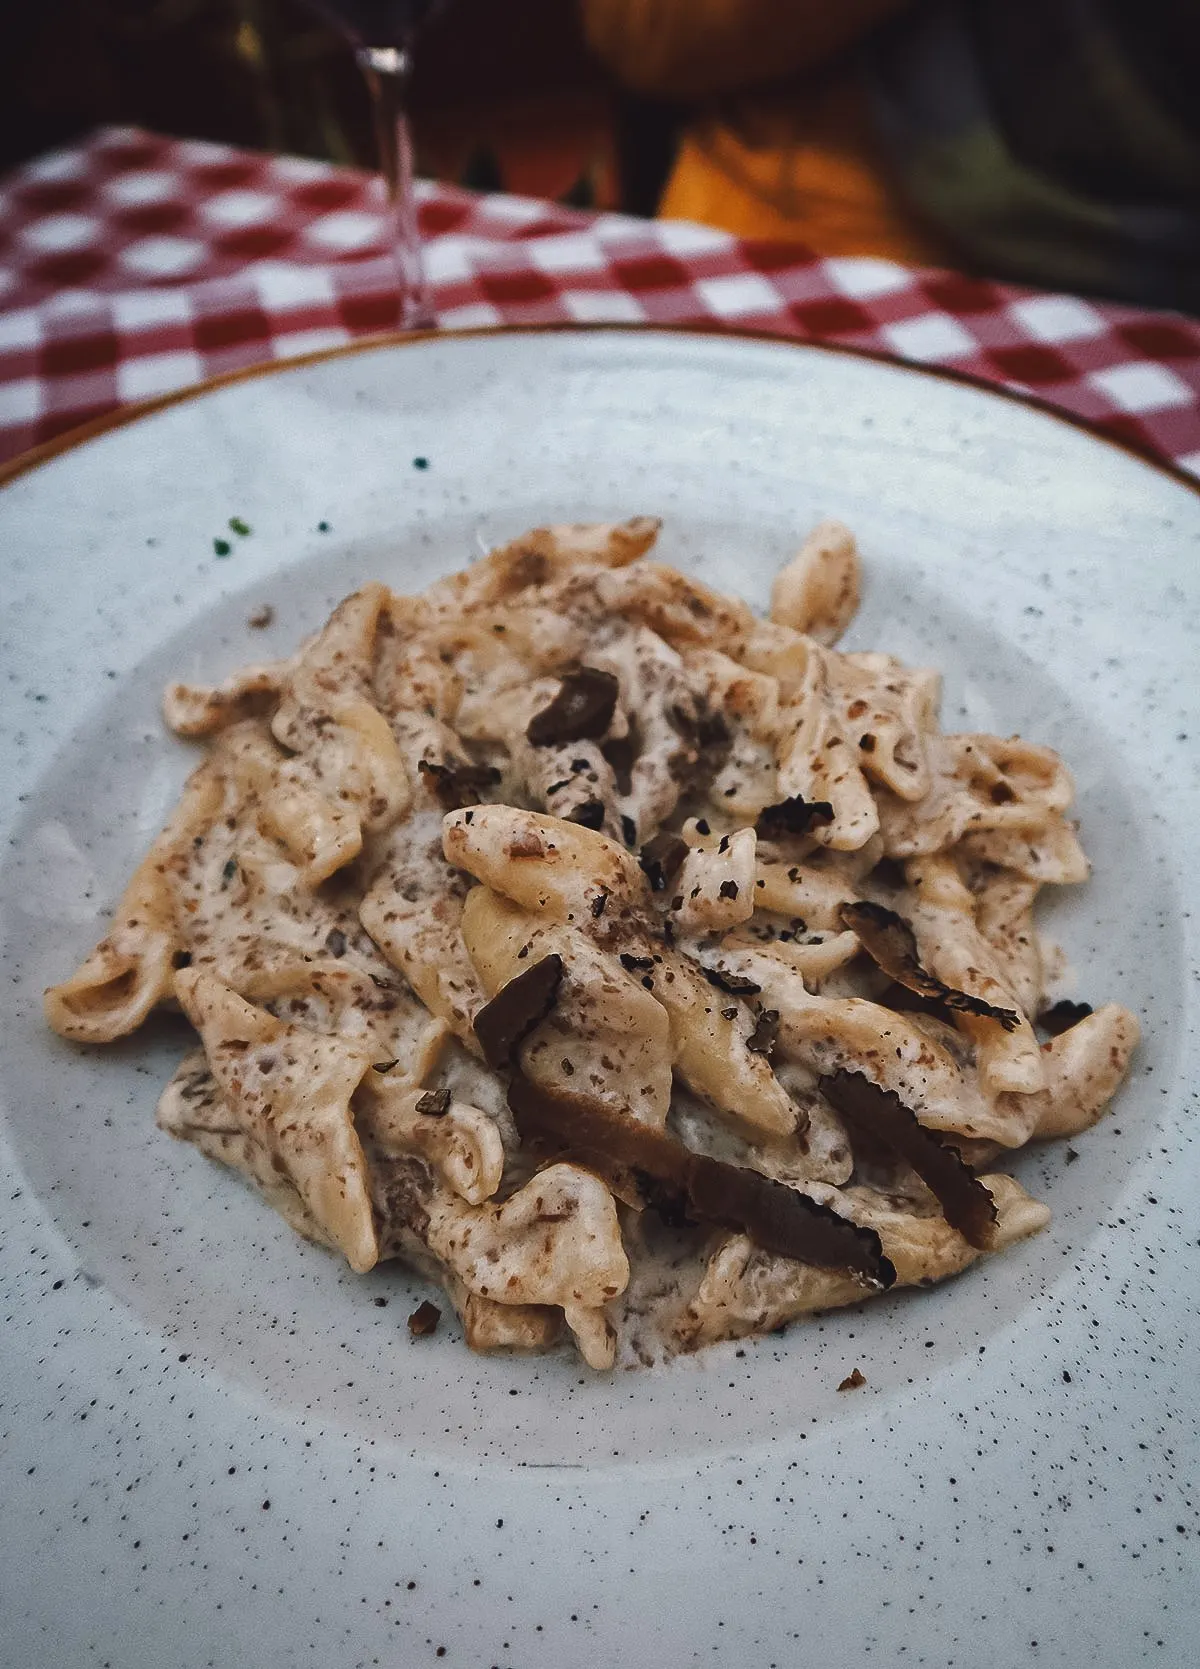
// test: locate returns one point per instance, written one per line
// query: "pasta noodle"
(644, 972)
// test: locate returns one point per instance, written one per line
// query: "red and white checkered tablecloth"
(133, 265)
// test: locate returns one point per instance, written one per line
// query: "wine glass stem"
(387, 69)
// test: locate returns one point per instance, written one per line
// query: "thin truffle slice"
(882, 1116)
(503, 1024)
(662, 858)
(424, 1319)
(763, 1038)
(737, 985)
(891, 944)
(793, 816)
(458, 785)
(582, 709)
(589, 814)
(683, 1186)
(1062, 1016)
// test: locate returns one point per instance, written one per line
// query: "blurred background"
(505, 95)
(1056, 142)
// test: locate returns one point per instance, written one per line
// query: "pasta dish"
(638, 969)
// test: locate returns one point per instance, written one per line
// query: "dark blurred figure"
(1052, 141)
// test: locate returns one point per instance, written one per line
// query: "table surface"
(132, 265)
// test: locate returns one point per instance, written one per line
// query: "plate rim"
(124, 416)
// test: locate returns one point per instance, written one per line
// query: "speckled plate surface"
(219, 1448)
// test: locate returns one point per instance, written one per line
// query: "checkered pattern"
(135, 265)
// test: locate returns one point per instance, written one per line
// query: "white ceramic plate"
(219, 1448)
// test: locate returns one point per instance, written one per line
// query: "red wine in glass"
(382, 33)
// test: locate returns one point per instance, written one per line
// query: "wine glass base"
(417, 314)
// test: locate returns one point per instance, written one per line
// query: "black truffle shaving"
(669, 1204)
(424, 1319)
(435, 1103)
(662, 858)
(458, 785)
(503, 1024)
(1062, 1016)
(886, 1121)
(683, 1186)
(590, 814)
(763, 1038)
(891, 944)
(621, 754)
(737, 985)
(793, 816)
(582, 709)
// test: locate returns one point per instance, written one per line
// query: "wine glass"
(382, 33)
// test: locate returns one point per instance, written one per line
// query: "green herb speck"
(322, 527)
(222, 547)
(420, 463)
(237, 525)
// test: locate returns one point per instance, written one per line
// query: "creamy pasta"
(643, 971)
